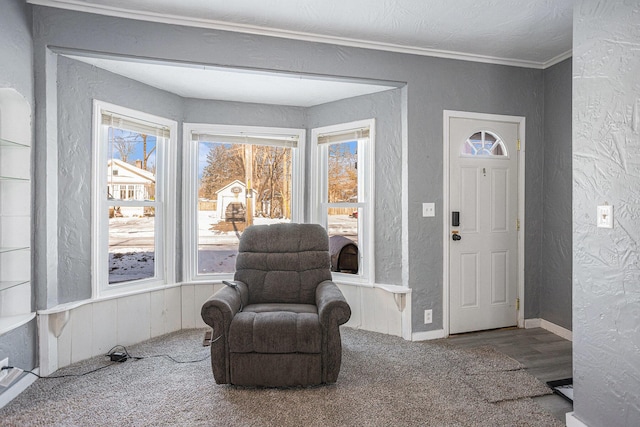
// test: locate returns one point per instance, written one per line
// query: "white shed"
(236, 192)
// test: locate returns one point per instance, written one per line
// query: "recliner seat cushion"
(275, 332)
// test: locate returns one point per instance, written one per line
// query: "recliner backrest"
(283, 262)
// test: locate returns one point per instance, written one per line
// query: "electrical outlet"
(428, 316)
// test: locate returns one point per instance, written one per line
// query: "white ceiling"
(529, 33)
(235, 85)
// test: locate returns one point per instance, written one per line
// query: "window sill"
(399, 292)
(75, 304)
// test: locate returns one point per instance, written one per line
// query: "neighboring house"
(234, 192)
(128, 182)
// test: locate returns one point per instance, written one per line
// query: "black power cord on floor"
(123, 355)
(64, 375)
(115, 357)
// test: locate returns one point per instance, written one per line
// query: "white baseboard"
(20, 386)
(551, 327)
(428, 335)
(572, 421)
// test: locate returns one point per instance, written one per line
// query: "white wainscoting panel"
(193, 297)
(133, 321)
(64, 345)
(377, 308)
(202, 293)
(188, 303)
(165, 312)
(71, 333)
(352, 295)
(105, 334)
(81, 333)
(74, 332)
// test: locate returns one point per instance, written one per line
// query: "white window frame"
(165, 202)
(190, 190)
(366, 195)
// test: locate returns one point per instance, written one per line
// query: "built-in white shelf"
(15, 211)
(13, 249)
(7, 284)
(12, 178)
(9, 323)
(8, 143)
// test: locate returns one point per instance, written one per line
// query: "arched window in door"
(484, 144)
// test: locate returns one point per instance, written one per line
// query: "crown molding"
(553, 61)
(81, 6)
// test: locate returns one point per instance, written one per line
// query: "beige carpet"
(384, 381)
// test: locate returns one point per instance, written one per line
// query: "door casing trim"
(446, 238)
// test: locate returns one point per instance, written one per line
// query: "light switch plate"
(428, 209)
(605, 216)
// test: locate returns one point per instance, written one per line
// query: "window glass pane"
(131, 165)
(342, 226)
(131, 243)
(343, 172)
(238, 185)
(485, 144)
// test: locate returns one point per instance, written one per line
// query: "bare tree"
(225, 163)
(124, 146)
(125, 142)
(343, 174)
(145, 155)
(269, 165)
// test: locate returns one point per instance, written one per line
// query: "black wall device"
(455, 219)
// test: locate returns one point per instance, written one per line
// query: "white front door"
(483, 191)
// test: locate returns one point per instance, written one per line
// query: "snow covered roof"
(128, 173)
(235, 183)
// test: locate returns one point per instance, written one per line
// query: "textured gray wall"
(385, 107)
(78, 85)
(16, 71)
(243, 113)
(606, 168)
(433, 84)
(16, 51)
(20, 346)
(555, 269)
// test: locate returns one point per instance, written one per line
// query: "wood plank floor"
(545, 355)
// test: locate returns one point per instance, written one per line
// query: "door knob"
(456, 237)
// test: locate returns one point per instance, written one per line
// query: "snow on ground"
(131, 244)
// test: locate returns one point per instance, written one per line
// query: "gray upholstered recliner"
(279, 325)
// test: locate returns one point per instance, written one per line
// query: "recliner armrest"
(224, 304)
(332, 306)
(218, 312)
